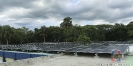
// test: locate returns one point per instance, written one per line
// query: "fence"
(18, 55)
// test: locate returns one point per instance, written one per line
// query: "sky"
(36, 13)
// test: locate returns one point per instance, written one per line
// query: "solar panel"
(122, 48)
(103, 47)
(109, 49)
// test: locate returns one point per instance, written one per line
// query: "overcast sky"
(35, 13)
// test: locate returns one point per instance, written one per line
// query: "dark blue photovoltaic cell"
(78, 49)
(103, 47)
(74, 50)
(109, 49)
(87, 50)
(98, 49)
(66, 47)
(122, 48)
(92, 49)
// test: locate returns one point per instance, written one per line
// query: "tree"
(130, 25)
(7, 33)
(102, 30)
(130, 30)
(91, 32)
(119, 32)
(0, 34)
(30, 36)
(36, 30)
(130, 34)
(43, 32)
(25, 31)
(54, 34)
(18, 36)
(67, 22)
(82, 39)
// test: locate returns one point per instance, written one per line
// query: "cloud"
(120, 4)
(35, 13)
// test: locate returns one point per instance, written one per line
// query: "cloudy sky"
(35, 13)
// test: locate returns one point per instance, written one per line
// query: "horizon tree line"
(67, 32)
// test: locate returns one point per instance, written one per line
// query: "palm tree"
(43, 32)
(0, 34)
(67, 22)
(7, 33)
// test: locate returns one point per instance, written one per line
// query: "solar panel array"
(112, 42)
(62, 46)
(101, 47)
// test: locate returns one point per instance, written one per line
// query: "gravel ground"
(68, 60)
(73, 61)
(65, 60)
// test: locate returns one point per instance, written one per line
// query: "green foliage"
(82, 39)
(67, 32)
(119, 32)
(67, 22)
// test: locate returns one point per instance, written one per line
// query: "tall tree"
(130, 25)
(43, 32)
(130, 30)
(67, 22)
(1, 34)
(7, 33)
(25, 31)
(119, 32)
(83, 39)
(102, 29)
(37, 35)
(91, 32)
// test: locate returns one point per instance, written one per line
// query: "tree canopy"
(67, 22)
(82, 39)
(67, 32)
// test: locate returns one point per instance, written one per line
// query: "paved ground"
(130, 59)
(66, 60)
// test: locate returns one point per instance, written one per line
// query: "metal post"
(128, 50)
(62, 53)
(96, 55)
(76, 54)
(122, 55)
(58, 52)
(15, 58)
(3, 57)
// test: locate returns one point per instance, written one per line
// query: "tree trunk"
(44, 39)
(21, 42)
(58, 40)
(0, 41)
(7, 42)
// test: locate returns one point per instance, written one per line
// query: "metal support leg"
(122, 55)
(128, 50)
(58, 52)
(15, 56)
(96, 55)
(4, 59)
(76, 54)
(62, 53)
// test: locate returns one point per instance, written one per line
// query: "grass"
(130, 59)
